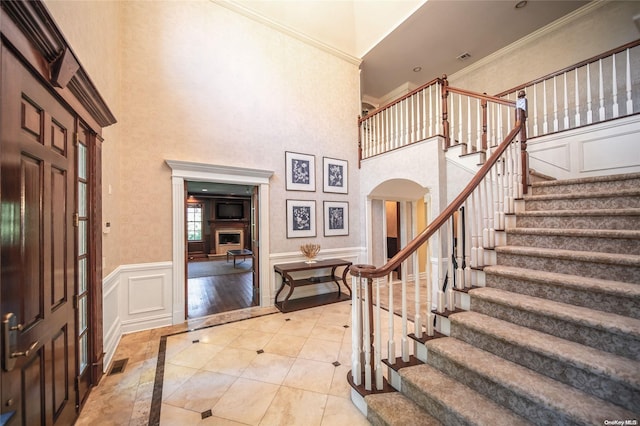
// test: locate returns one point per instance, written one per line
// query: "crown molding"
(255, 16)
(586, 9)
(36, 24)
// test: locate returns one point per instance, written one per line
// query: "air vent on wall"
(464, 56)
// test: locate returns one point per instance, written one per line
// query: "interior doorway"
(221, 253)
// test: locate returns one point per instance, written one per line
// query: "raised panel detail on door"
(32, 231)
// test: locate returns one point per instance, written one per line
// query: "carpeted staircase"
(554, 337)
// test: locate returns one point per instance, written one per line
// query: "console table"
(285, 271)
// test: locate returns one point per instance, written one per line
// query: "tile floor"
(251, 367)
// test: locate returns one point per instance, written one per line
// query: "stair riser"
(534, 412)
(432, 406)
(579, 222)
(597, 385)
(619, 344)
(586, 203)
(619, 304)
(590, 186)
(605, 271)
(579, 243)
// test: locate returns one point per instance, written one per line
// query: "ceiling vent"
(464, 56)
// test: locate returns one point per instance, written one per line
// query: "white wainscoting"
(600, 149)
(135, 298)
(353, 254)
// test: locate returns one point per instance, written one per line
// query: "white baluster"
(535, 110)
(577, 90)
(469, 137)
(367, 339)
(467, 245)
(459, 252)
(356, 331)
(377, 338)
(417, 321)
(436, 117)
(391, 342)
(426, 134)
(545, 122)
(480, 226)
(555, 105)
(601, 87)
(589, 102)
(405, 319)
(429, 315)
(479, 118)
(460, 119)
(441, 304)
(566, 103)
(424, 112)
(472, 230)
(614, 83)
(629, 100)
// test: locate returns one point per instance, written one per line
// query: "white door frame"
(184, 170)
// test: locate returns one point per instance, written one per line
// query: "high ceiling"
(392, 37)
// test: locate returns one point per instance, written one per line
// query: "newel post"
(484, 124)
(521, 110)
(445, 115)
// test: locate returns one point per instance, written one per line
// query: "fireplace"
(229, 239)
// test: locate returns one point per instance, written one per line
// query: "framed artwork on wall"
(301, 171)
(301, 218)
(335, 175)
(336, 218)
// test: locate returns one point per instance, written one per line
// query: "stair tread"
(584, 283)
(523, 381)
(585, 357)
(578, 195)
(591, 179)
(610, 322)
(583, 212)
(396, 410)
(578, 232)
(588, 256)
(467, 403)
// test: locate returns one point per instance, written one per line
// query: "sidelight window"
(194, 221)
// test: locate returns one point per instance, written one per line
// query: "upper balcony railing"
(598, 89)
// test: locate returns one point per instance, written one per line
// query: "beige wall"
(194, 81)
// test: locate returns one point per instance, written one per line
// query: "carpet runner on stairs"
(554, 336)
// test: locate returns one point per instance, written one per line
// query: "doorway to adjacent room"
(220, 225)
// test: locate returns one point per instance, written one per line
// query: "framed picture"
(335, 175)
(301, 218)
(301, 171)
(336, 218)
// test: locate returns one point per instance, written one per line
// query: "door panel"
(37, 251)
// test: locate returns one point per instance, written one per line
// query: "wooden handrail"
(365, 271)
(572, 67)
(482, 96)
(408, 95)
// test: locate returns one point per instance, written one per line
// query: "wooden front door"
(37, 157)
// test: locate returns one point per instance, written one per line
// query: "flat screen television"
(229, 211)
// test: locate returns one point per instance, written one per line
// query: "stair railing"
(601, 88)
(463, 231)
(408, 119)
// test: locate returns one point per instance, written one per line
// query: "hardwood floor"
(219, 293)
